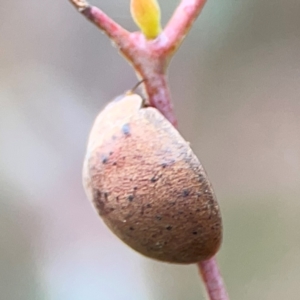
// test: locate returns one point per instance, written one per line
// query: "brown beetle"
(148, 186)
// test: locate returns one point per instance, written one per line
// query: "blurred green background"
(236, 88)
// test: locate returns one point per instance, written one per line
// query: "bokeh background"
(236, 88)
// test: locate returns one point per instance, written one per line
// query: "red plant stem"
(112, 29)
(181, 22)
(149, 57)
(158, 90)
(150, 60)
(150, 65)
(212, 279)
(145, 56)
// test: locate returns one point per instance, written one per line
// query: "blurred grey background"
(236, 88)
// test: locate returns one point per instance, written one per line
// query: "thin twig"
(141, 54)
(112, 29)
(181, 22)
(212, 279)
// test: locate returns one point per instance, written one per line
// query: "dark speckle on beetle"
(106, 196)
(201, 178)
(169, 227)
(104, 159)
(158, 217)
(185, 193)
(130, 198)
(126, 129)
(153, 179)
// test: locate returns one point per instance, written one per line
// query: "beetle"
(148, 186)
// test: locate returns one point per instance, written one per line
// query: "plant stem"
(113, 30)
(212, 279)
(181, 22)
(150, 59)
